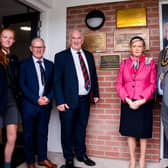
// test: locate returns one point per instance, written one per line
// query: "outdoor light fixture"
(95, 19)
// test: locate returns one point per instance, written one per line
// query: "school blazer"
(3, 89)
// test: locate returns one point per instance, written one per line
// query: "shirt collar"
(140, 59)
(5, 51)
(75, 51)
(35, 59)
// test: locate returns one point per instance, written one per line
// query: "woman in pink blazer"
(136, 83)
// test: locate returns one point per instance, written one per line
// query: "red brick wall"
(103, 138)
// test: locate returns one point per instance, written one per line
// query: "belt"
(81, 96)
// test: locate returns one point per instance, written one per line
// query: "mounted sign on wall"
(133, 17)
(110, 61)
(123, 36)
(95, 41)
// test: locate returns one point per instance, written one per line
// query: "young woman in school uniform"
(9, 115)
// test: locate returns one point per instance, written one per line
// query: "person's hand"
(139, 102)
(136, 104)
(96, 99)
(42, 101)
(132, 104)
(46, 99)
(129, 101)
(162, 76)
(62, 107)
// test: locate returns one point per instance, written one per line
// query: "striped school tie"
(84, 71)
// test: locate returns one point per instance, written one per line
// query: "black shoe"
(69, 164)
(87, 161)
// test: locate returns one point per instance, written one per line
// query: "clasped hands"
(43, 100)
(135, 104)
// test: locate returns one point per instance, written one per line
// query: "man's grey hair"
(37, 38)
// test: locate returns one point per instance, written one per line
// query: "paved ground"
(101, 163)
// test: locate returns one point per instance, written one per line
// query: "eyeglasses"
(40, 47)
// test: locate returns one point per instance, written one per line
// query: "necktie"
(42, 71)
(84, 72)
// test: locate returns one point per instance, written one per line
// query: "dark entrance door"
(23, 37)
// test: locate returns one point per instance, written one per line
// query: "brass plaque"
(95, 42)
(132, 17)
(122, 38)
(110, 61)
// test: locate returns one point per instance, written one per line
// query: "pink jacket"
(139, 84)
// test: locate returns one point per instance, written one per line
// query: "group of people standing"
(72, 81)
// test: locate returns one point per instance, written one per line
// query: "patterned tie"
(42, 72)
(84, 71)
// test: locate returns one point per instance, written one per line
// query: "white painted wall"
(53, 30)
(70, 3)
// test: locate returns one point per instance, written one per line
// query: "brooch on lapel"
(148, 61)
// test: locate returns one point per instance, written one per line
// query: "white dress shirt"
(41, 87)
(160, 90)
(81, 82)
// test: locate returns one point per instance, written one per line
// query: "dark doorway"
(23, 37)
(21, 51)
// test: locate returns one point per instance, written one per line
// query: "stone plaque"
(122, 38)
(95, 42)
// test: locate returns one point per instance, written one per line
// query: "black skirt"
(136, 123)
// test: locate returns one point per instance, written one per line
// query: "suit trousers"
(73, 128)
(35, 122)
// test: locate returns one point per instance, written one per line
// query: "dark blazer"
(164, 97)
(3, 89)
(65, 78)
(12, 71)
(28, 82)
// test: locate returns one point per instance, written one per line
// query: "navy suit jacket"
(28, 82)
(3, 89)
(66, 81)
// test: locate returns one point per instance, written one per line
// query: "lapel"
(71, 62)
(46, 69)
(128, 64)
(141, 65)
(33, 73)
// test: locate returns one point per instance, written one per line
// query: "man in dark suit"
(35, 79)
(75, 84)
